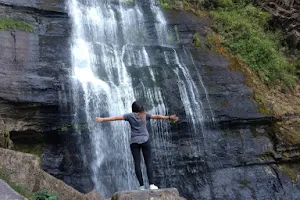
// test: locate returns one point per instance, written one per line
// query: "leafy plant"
(197, 40)
(44, 195)
(165, 4)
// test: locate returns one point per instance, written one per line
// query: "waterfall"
(113, 60)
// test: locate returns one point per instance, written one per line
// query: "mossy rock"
(12, 24)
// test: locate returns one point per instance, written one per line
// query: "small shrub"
(165, 4)
(44, 195)
(223, 4)
(197, 41)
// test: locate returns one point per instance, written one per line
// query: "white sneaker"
(142, 187)
(153, 187)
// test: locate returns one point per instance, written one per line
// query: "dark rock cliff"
(237, 158)
(34, 83)
(34, 67)
(234, 157)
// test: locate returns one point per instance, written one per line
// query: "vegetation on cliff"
(12, 24)
(245, 32)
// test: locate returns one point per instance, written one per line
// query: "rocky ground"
(7, 193)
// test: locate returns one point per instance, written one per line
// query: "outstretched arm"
(107, 119)
(171, 117)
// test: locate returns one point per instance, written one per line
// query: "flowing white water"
(110, 44)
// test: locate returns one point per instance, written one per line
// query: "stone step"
(160, 194)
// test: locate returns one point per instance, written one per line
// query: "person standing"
(139, 141)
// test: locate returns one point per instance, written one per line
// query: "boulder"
(160, 194)
(24, 170)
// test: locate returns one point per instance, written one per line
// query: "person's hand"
(174, 118)
(99, 119)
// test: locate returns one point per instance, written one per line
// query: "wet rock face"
(34, 85)
(286, 15)
(236, 157)
(46, 5)
(35, 67)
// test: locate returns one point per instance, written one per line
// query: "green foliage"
(297, 63)
(44, 195)
(197, 41)
(243, 32)
(7, 24)
(165, 4)
(223, 4)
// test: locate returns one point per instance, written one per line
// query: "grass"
(197, 41)
(186, 5)
(288, 130)
(165, 4)
(12, 24)
(44, 195)
(243, 32)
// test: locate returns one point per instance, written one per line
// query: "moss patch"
(12, 24)
(266, 156)
(185, 5)
(165, 4)
(5, 139)
(35, 149)
(245, 183)
(44, 195)
(291, 170)
(289, 131)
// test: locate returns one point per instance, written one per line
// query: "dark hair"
(137, 107)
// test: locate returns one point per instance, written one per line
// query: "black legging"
(136, 153)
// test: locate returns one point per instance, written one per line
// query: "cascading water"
(113, 46)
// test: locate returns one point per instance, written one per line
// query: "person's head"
(137, 107)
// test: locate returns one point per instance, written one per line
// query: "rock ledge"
(160, 194)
